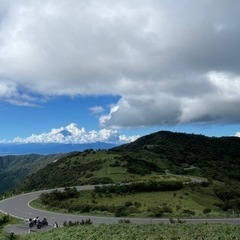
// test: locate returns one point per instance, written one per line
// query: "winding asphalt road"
(19, 207)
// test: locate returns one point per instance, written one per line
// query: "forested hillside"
(214, 157)
(149, 156)
(13, 169)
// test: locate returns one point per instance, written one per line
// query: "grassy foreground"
(140, 232)
(4, 220)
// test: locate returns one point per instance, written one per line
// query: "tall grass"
(141, 232)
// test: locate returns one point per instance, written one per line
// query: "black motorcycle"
(32, 222)
(42, 223)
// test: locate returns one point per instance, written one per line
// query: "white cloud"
(73, 134)
(237, 134)
(170, 63)
(96, 109)
(7, 89)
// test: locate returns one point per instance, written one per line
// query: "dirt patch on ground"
(23, 228)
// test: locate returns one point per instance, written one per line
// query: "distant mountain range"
(49, 148)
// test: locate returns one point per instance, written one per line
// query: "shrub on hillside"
(95, 181)
(167, 209)
(137, 204)
(88, 175)
(140, 187)
(189, 212)
(206, 210)
(121, 211)
(4, 219)
(155, 212)
(52, 198)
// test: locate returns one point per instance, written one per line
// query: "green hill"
(14, 169)
(218, 158)
(159, 156)
(76, 168)
(147, 158)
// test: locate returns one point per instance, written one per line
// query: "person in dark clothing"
(55, 225)
(12, 236)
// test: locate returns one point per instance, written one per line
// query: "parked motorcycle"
(42, 223)
(33, 222)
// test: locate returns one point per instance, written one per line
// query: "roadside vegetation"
(142, 199)
(126, 230)
(141, 232)
(4, 220)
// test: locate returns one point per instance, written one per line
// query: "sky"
(84, 71)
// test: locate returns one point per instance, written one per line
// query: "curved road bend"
(18, 206)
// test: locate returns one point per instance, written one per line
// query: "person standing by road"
(12, 236)
(55, 225)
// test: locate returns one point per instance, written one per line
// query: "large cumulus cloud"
(171, 62)
(73, 134)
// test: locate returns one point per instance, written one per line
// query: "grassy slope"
(141, 232)
(193, 199)
(75, 169)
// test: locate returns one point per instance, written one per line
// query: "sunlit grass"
(177, 201)
(141, 232)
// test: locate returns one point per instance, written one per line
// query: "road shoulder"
(23, 229)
